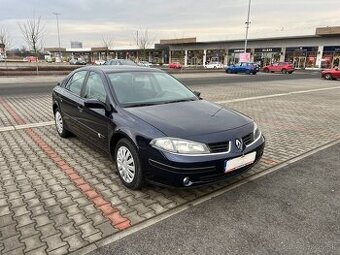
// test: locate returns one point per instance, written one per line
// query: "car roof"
(119, 68)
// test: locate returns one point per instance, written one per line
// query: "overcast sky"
(88, 20)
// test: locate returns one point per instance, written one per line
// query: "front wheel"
(284, 71)
(328, 76)
(60, 124)
(128, 164)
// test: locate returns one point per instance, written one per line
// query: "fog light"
(186, 181)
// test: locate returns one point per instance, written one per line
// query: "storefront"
(330, 57)
(195, 57)
(302, 57)
(267, 56)
(215, 55)
(234, 55)
(178, 56)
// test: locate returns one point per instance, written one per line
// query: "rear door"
(71, 102)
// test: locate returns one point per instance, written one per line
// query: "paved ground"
(58, 196)
(292, 211)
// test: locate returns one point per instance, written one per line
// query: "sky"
(89, 21)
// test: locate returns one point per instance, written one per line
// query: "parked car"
(30, 59)
(283, 67)
(154, 128)
(144, 63)
(120, 62)
(77, 61)
(331, 74)
(99, 62)
(214, 65)
(175, 65)
(243, 67)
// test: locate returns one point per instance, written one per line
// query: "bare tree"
(5, 39)
(33, 31)
(143, 41)
(107, 41)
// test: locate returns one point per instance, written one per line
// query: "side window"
(94, 88)
(76, 82)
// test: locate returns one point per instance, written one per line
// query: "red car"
(30, 59)
(283, 67)
(175, 65)
(331, 74)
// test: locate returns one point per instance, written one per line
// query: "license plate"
(236, 163)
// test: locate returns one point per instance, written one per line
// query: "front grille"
(219, 147)
(248, 139)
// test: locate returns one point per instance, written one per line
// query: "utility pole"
(247, 28)
(57, 14)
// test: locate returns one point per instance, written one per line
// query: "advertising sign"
(244, 57)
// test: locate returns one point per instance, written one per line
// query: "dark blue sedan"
(155, 129)
(242, 67)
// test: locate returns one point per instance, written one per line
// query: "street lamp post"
(57, 14)
(247, 28)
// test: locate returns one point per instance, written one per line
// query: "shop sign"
(244, 57)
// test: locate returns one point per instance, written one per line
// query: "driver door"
(95, 120)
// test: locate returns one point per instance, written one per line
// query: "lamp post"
(56, 15)
(247, 28)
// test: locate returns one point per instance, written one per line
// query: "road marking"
(113, 214)
(25, 126)
(273, 95)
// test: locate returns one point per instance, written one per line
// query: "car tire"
(253, 73)
(266, 70)
(290, 72)
(228, 71)
(328, 76)
(284, 71)
(248, 72)
(60, 124)
(128, 164)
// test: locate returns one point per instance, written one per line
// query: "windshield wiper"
(179, 100)
(140, 104)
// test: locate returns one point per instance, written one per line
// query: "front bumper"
(171, 170)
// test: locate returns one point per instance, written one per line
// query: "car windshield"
(135, 89)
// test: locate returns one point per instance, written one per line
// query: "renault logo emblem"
(238, 144)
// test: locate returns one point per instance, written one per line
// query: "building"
(76, 45)
(321, 50)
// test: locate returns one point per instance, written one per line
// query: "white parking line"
(273, 95)
(30, 125)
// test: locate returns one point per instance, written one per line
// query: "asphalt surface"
(13, 89)
(295, 210)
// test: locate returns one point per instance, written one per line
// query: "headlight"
(256, 132)
(179, 145)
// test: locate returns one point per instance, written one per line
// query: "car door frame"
(97, 134)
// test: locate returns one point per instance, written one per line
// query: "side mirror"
(96, 104)
(197, 93)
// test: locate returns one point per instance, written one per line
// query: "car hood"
(191, 118)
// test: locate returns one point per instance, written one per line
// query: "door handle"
(80, 108)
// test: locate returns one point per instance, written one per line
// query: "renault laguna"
(155, 129)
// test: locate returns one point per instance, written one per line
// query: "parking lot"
(59, 195)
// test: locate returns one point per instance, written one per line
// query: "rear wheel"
(284, 71)
(228, 71)
(60, 124)
(266, 70)
(328, 76)
(247, 71)
(128, 164)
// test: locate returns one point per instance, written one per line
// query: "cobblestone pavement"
(58, 195)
